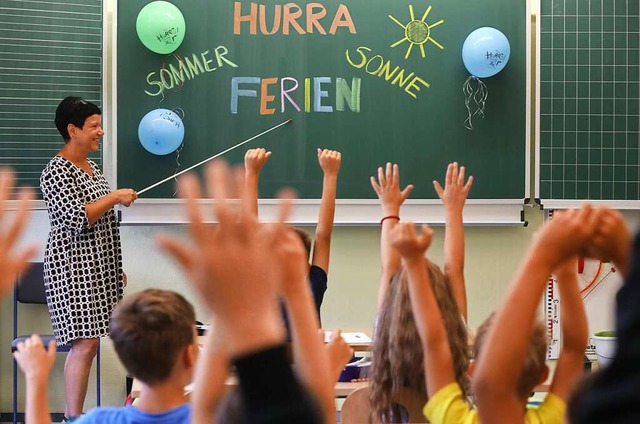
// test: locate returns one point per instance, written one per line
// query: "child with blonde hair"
(501, 384)
(397, 359)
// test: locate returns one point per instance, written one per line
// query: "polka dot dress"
(82, 261)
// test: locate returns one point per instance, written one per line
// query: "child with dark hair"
(239, 267)
(154, 335)
(320, 249)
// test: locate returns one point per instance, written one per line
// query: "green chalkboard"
(48, 50)
(370, 118)
(589, 72)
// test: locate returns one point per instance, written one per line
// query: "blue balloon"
(485, 52)
(161, 131)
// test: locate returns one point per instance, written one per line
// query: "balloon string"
(215, 156)
(178, 166)
(181, 114)
(178, 109)
(478, 95)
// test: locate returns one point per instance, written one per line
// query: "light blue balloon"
(485, 52)
(161, 131)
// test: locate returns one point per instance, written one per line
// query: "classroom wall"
(493, 254)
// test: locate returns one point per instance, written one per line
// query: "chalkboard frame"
(489, 212)
(558, 203)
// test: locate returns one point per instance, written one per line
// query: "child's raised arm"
(13, 260)
(438, 362)
(391, 198)
(329, 161)
(453, 196)
(500, 366)
(231, 266)
(613, 240)
(574, 331)
(254, 160)
(211, 372)
(310, 358)
(36, 363)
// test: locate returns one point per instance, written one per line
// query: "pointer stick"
(214, 156)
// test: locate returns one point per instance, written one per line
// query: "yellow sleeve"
(448, 406)
(551, 411)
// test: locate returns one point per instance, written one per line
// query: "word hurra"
(285, 18)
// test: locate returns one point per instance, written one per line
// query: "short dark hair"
(73, 110)
(149, 330)
(306, 239)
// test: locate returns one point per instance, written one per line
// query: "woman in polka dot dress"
(83, 259)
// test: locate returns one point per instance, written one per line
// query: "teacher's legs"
(76, 374)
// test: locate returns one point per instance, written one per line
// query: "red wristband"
(389, 217)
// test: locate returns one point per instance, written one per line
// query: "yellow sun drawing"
(417, 32)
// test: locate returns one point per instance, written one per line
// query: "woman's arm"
(123, 196)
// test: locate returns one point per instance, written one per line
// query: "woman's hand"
(126, 196)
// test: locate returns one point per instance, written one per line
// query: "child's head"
(306, 239)
(535, 369)
(397, 351)
(73, 110)
(150, 330)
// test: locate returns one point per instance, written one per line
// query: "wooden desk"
(340, 389)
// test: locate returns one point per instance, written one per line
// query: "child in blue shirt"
(154, 335)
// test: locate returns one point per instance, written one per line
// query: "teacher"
(83, 274)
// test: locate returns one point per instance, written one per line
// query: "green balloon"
(161, 27)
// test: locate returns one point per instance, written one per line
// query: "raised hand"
(410, 245)
(290, 258)
(568, 234)
(338, 353)
(612, 241)
(388, 189)
(329, 161)
(255, 159)
(455, 191)
(230, 264)
(13, 259)
(33, 359)
(454, 196)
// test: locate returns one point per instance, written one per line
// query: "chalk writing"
(168, 36)
(378, 67)
(285, 19)
(187, 68)
(289, 85)
(494, 59)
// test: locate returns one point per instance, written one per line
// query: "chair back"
(356, 408)
(30, 288)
